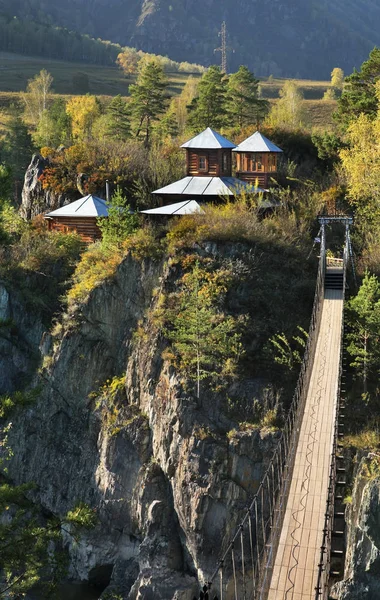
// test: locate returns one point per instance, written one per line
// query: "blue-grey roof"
(208, 140)
(89, 206)
(257, 143)
(206, 186)
(186, 207)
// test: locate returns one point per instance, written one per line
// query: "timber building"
(80, 217)
(208, 171)
(256, 160)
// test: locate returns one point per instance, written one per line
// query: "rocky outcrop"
(34, 199)
(20, 335)
(166, 481)
(362, 566)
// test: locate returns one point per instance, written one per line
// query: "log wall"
(86, 227)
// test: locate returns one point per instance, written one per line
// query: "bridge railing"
(245, 568)
(322, 587)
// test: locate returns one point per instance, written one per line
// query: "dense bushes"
(36, 262)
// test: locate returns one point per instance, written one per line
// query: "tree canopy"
(148, 98)
(359, 94)
(243, 104)
(207, 108)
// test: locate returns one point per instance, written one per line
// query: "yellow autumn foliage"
(361, 161)
(83, 110)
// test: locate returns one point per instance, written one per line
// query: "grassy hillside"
(312, 90)
(16, 69)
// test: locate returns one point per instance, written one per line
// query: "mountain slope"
(292, 38)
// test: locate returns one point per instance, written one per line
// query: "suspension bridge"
(284, 547)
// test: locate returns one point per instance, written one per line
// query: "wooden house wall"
(86, 227)
(268, 168)
(263, 179)
(214, 163)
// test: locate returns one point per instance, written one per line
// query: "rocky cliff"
(20, 336)
(34, 199)
(362, 566)
(115, 428)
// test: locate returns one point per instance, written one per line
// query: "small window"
(202, 163)
(272, 162)
(259, 162)
(224, 162)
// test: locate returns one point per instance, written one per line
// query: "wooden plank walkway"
(296, 566)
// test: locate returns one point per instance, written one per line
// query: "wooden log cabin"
(80, 217)
(208, 171)
(209, 154)
(256, 160)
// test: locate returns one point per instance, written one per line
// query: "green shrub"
(38, 263)
(9, 402)
(97, 264)
(369, 439)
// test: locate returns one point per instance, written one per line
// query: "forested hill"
(292, 38)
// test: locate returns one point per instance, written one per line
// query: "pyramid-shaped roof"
(208, 140)
(89, 206)
(257, 143)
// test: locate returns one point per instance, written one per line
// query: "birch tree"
(37, 96)
(288, 110)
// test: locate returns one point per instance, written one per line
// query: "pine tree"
(208, 109)
(120, 222)
(148, 98)
(119, 126)
(205, 340)
(243, 104)
(364, 336)
(18, 148)
(359, 94)
(168, 125)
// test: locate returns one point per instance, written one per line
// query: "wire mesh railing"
(322, 587)
(245, 568)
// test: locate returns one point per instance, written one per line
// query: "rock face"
(362, 568)
(20, 335)
(35, 200)
(166, 481)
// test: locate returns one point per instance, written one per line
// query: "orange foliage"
(97, 160)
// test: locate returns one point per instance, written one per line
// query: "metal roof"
(207, 186)
(257, 143)
(208, 140)
(187, 207)
(89, 206)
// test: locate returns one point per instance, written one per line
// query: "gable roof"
(208, 140)
(89, 206)
(257, 143)
(207, 186)
(186, 207)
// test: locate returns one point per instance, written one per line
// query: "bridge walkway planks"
(296, 566)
